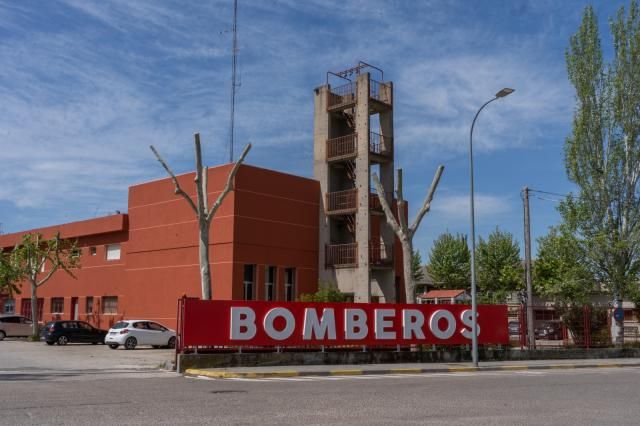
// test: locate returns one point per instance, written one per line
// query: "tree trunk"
(34, 309)
(205, 272)
(409, 285)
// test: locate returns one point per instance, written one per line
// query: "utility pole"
(527, 269)
(234, 63)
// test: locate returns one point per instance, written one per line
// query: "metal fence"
(557, 327)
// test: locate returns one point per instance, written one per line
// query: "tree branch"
(427, 202)
(202, 207)
(385, 207)
(227, 187)
(178, 190)
(402, 216)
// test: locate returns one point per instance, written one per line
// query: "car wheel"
(172, 343)
(2, 335)
(130, 343)
(114, 346)
(63, 340)
(50, 343)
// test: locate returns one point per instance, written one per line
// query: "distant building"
(444, 297)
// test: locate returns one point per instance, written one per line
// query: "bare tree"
(404, 232)
(38, 259)
(200, 207)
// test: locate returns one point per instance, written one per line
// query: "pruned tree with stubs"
(400, 227)
(201, 208)
(38, 259)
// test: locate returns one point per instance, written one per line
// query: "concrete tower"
(353, 136)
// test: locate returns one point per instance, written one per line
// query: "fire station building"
(274, 237)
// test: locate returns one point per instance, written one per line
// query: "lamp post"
(474, 302)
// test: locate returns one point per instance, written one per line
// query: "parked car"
(63, 332)
(15, 326)
(131, 333)
(549, 331)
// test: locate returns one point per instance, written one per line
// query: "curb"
(193, 372)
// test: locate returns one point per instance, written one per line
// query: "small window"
(9, 306)
(57, 305)
(89, 306)
(93, 251)
(110, 305)
(84, 325)
(290, 284)
(113, 251)
(249, 279)
(269, 283)
(155, 326)
(76, 252)
(120, 324)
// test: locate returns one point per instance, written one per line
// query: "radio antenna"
(234, 64)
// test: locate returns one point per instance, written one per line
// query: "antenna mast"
(233, 78)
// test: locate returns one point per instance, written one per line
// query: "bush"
(573, 318)
(328, 292)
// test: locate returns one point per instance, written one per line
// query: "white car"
(131, 333)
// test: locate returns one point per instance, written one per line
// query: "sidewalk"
(426, 368)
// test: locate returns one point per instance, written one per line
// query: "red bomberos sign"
(245, 323)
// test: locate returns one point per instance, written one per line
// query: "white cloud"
(456, 207)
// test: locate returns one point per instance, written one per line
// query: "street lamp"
(474, 302)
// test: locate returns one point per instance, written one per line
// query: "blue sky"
(86, 86)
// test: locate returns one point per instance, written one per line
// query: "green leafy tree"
(602, 155)
(10, 274)
(500, 269)
(39, 259)
(560, 269)
(328, 292)
(449, 261)
(416, 266)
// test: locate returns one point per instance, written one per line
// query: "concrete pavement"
(424, 368)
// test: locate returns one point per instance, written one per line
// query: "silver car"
(15, 326)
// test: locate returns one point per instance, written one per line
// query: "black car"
(551, 330)
(63, 332)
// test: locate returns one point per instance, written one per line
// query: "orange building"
(263, 245)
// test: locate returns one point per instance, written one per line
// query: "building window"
(9, 306)
(545, 315)
(249, 279)
(269, 283)
(93, 251)
(110, 305)
(89, 306)
(113, 251)
(57, 305)
(290, 284)
(76, 253)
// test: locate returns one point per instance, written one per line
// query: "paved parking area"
(19, 355)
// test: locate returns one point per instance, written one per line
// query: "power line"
(547, 192)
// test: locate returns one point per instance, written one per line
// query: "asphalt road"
(20, 360)
(568, 397)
